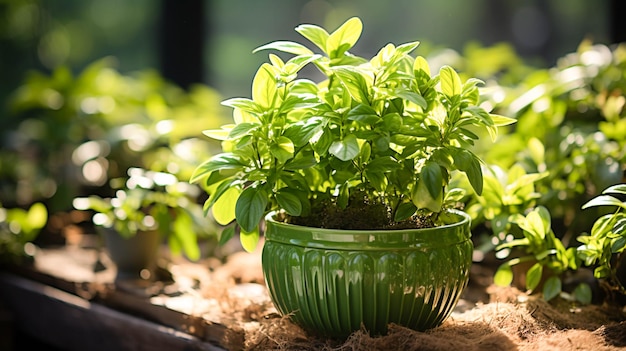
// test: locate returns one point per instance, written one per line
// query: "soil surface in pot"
(361, 213)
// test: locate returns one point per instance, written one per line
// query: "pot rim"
(398, 239)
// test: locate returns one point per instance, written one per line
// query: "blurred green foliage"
(18, 229)
(88, 134)
(77, 132)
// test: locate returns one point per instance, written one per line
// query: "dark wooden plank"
(71, 270)
(73, 323)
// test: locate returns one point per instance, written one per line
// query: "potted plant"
(148, 208)
(349, 180)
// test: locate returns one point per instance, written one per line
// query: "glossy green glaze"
(333, 281)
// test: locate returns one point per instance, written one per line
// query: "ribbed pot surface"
(332, 282)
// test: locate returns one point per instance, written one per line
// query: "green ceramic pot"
(332, 282)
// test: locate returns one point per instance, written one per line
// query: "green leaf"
(344, 38)
(364, 113)
(250, 208)
(344, 195)
(421, 69)
(322, 144)
(183, 232)
(583, 294)
(218, 162)
(285, 46)
(450, 81)
(421, 198)
(618, 244)
(533, 276)
(264, 86)
(617, 189)
(469, 163)
(454, 195)
(383, 164)
(503, 276)
(376, 179)
(413, 97)
(407, 48)
(302, 132)
(282, 148)
(223, 207)
(602, 272)
(303, 159)
(249, 239)
(604, 200)
(404, 211)
(289, 202)
(501, 121)
(242, 129)
(295, 64)
(537, 222)
(475, 175)
(552, 288)
(226, 235)
(357, 84)
(218, 134)
(243, 104)
(317, 35)
(432, 178)
(346, 149)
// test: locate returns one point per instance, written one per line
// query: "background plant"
(603, 247)
(78, 132)
(569, 138)
(153, 201)
(18, 230)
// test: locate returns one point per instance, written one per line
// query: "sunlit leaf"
(317, 35)
(264, 86)
(618, 188)
(249, 239)
(604, 200)
(223, 209)
(217, 162)
(346, 149)
(285, 46)
(501, 121)
(450, 81)
(282, 148)
(356, 83)
(342, 39)
(421, 198)
(503, 276)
